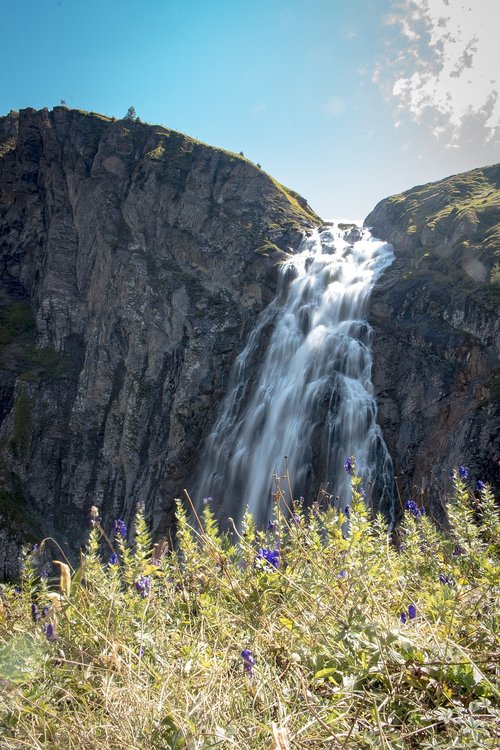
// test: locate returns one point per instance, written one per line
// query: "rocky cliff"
(437, 331)
(134, 261)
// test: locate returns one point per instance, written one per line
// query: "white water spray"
(311, 399)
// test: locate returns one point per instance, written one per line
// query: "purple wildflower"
(412, 611)
(413, 508)
(35, 614)
(403, 617)
(271, 556)
(248, 661)
(49, 631)
(119, 528)
(272, 526)
(463, 472)
(445, 580)
(347, 511)
(350, 464)
(113, 559)
(45, 610)
(480, 485)
(458, 550)
(207, 501)
(342, 574)
(143, 585)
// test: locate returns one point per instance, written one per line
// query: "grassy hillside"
(321, 632)
(451, 227)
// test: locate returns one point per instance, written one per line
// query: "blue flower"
(480, 485)
(403, 617)
(458, 550)
(342, 574)
(143, 586)
(45, 610)
(271, 556)
(444, 579)
(347, 511)
(113, 559)
(35, 614)
(412, 611)
(413, 508)
(350, 464)
(119, 528)
(49, 631)
(463, 472)
(272, 526)
(248, 661)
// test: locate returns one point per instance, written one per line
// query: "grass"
(145, 650)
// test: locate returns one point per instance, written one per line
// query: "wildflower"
(272, 526)
(412, 611)
(347, 511)
(271, 556)
(463, 472)
(35, 614)
(49, 631)
(403, 617)
(445, 580)
(113, 559)
(248, 661)
(350, 464)
(119, 528)
(296, 518)
(143, 585)
(45, 610)
(342, 574)
(413, 508)
(207, 501)
(458, 550)
(480, 485)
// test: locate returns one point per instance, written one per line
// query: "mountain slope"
(437, 332)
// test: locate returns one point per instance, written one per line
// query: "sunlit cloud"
(445, 68)
(335, 106)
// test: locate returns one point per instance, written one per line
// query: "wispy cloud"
(335, 106)
(259, 110)
(445, 68)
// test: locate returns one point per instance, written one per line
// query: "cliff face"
(437, 331)
(134, 261)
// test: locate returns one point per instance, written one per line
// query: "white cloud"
(446, 67)
(259, 110)
(335, 106)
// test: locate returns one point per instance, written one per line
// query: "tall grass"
(318, 632)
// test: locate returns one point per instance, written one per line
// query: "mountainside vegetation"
(324, 631)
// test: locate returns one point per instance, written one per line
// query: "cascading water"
(311, 398)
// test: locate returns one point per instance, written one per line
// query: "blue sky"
(345, 102)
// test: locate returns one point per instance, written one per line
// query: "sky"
(345, 101)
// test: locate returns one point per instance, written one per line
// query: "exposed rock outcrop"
(134, 261)
(437, 331)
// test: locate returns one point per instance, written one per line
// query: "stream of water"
(301, 388)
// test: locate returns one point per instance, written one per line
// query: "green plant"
(320, 630)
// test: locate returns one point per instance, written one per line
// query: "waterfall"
(301, 388)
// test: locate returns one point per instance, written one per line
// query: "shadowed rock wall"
(134, 261)
(437, 333)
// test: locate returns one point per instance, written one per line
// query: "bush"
(318, 632)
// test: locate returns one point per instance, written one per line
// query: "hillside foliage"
(323, 631)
